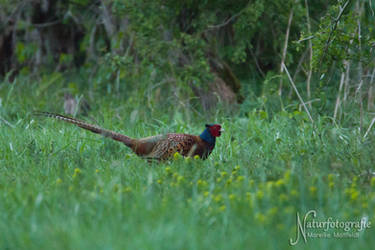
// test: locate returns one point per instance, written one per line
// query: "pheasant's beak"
(222, 130)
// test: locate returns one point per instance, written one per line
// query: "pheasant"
(158, 147)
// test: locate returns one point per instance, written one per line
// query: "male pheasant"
(158, 147)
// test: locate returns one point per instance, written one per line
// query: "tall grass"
(64, 188)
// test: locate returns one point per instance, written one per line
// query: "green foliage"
(334, 37)
(25, 52)
(342, 35)
(173, 47)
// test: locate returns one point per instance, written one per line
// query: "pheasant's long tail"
(95, 129)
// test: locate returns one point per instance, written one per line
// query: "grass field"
(64, 188)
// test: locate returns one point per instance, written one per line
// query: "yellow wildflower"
(354, 182)
(180, 179)
(177, 156)
(283, 197)
(115, 188)
(354, 195)
(287, 176)
(260, 218)
(223, 174)
(348, 191)
(232, 197)
(248, 195)
(222, 208)
(218, 198)
(330, 177)
(77, 171)
(279, 183)
(202, 183)
(240, 178)
(373, 182)
(260, 194)
(313, 190)
(364, 205)
(229, 181)
(251, 183)
(272, 211)
(294, 193)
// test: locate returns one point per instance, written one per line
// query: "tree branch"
(337, 19)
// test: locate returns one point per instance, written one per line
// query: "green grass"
(64, 188)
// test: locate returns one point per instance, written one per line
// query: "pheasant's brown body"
(163, 147)
(159, 147)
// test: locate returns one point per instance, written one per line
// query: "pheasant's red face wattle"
(215, 130)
